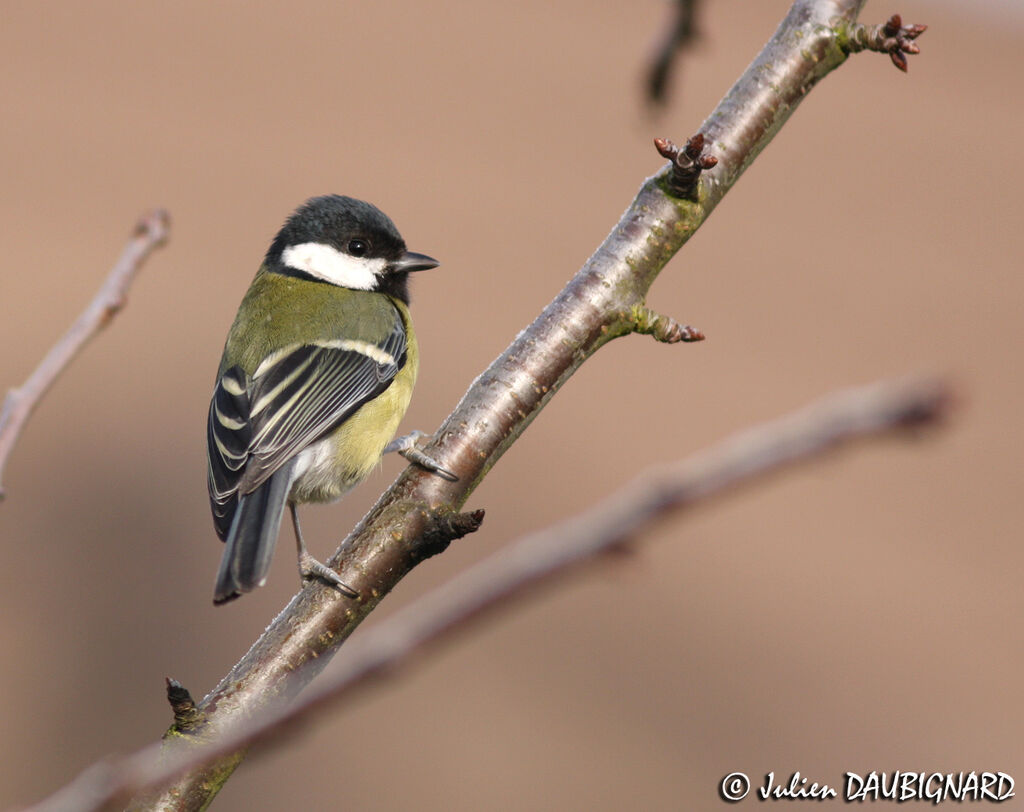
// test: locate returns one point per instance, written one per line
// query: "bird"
(317, 372)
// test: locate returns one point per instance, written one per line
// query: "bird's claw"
(408, 448)
(310, 568)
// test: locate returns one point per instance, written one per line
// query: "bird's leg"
(310, 568)
(406, 446)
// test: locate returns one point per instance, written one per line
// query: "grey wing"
(296, 396)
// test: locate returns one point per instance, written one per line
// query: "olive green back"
(279, 311)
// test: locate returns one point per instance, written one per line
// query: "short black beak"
(411, 261)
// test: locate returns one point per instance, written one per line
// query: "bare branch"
(597, 305)
(150, 232)
(870, 412)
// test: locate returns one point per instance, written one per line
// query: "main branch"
(600, 303)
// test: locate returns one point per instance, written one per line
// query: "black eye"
(358, 248)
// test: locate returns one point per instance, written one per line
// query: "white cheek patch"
(331, 265)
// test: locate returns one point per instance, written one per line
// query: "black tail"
(249, 547)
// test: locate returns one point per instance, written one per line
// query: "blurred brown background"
(859, 615)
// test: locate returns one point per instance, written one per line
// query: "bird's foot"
(408, 448)
(310, 568)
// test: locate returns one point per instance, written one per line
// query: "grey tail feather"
(249, 547)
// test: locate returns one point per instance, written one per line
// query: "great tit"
(316, 374)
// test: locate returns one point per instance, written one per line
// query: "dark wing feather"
(256, 424)
(228, 434)
(252, 536)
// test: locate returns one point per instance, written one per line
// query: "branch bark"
(869, 412)
(150, 232)
(599, 304)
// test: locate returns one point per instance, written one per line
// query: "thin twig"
(869, 412)
(150, 232)
(680, 33)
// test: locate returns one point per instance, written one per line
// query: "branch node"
(444, 528)
(154, 226)
(687, 163)
(662, 328)
(188, 719)
(891, 37)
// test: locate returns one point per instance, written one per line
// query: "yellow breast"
(343, 459)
